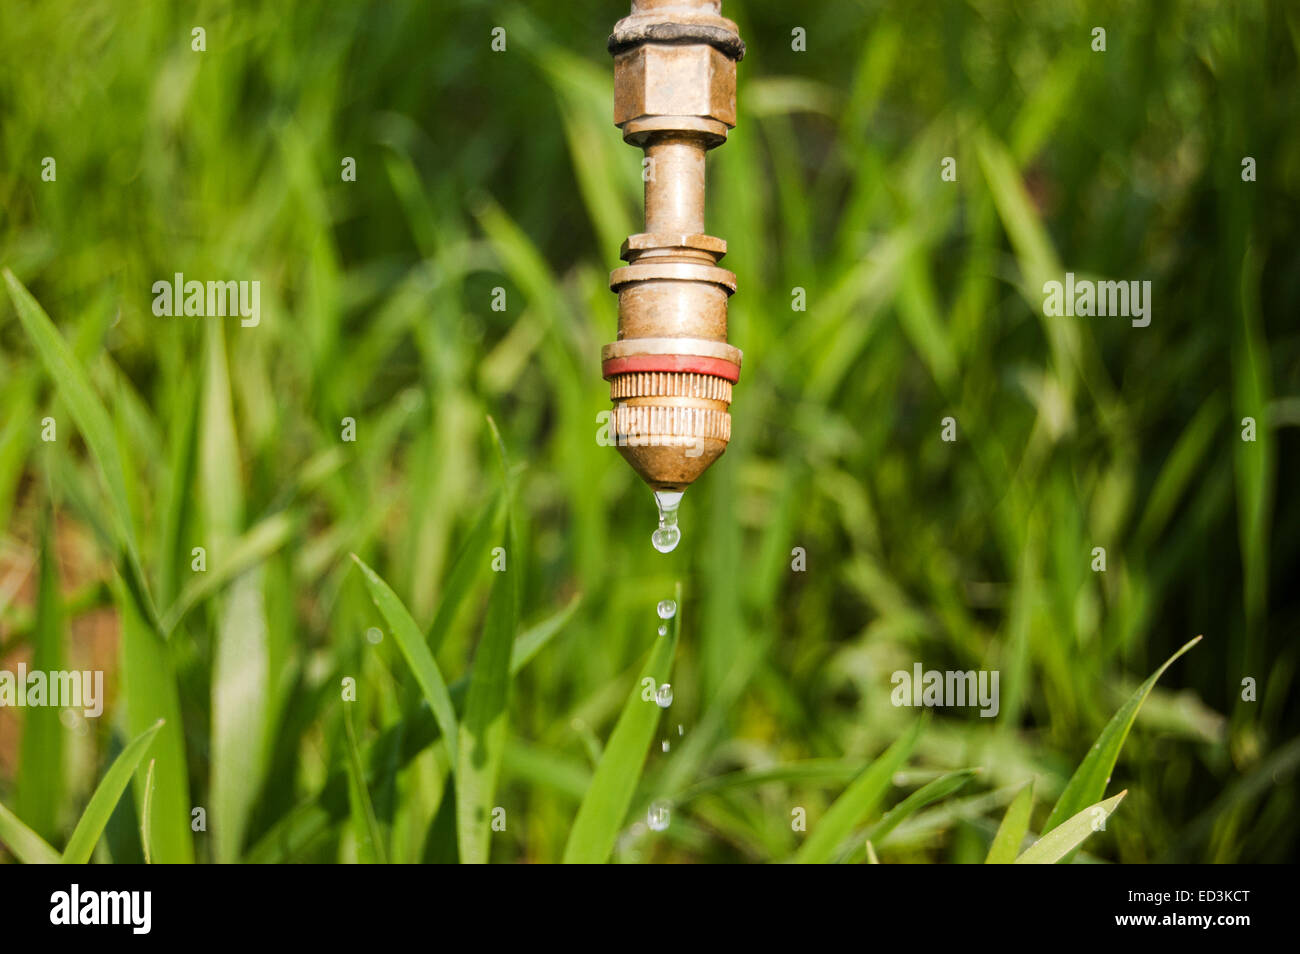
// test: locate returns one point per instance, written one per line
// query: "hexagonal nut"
(674, 80)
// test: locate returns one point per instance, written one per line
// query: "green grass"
(475, 430)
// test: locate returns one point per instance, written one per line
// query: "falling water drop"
(667, 609)
(666, 538)
(658, 816)
(680, 729)
(664, 697)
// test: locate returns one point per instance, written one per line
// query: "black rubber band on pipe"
(724, 41)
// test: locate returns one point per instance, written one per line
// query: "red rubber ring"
(690, 363)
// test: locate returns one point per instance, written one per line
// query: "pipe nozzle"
(671, 370)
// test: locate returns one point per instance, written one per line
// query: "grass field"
(279, 539)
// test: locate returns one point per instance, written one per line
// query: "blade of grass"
(1015, 825)
(27, 846)
(533, 641)
(91, 825)
(470, 563)
(149, 685)
(1088, 783)
(18, 398)
(252, 547)
(360, 792)
(40, 791)
(240, 695)
(603, 808)
(146, 813)
(311, 818)
(95, 426)
(483, 730)
(417, 654)
(151, 688)
(1254, 462)
(858, 801)
(1070, 834)
(809, 770)
(940, 788)
(178, 496)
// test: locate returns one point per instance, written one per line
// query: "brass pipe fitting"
(671, 370)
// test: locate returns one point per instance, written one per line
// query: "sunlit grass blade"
(858, 801)
(416, 652)
(221, 495)
(871, 854)
(86, 835)
(1088, 784)
(603, 808)
(146, 813)
(1011, 833)
(27, 846)
(1071, 833)
(241, 698)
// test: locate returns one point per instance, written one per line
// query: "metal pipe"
(674, 185)
(671, 370)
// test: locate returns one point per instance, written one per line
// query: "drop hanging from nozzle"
(668, 535)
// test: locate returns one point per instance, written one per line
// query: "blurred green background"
(478, 169)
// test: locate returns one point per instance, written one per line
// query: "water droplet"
(666, 745)
(663, 629)
(680, 729)
(667, 609)
(664, 697)
(374, 635)
(658, 816)
(666, 538)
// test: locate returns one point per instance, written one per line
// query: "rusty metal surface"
(671, 370)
